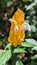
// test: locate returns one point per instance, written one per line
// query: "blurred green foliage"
(29, 46)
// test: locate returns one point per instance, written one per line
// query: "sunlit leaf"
(27, 44)
(34, 48)
(34, 57)
(4, 56)
(19, 63)
(32, 41)
(8, 46)
(19, 50)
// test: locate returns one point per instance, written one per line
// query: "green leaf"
(34, 48)
(19, 50)
(19, 63)
(34, 57)
(32, 41)
(1, 43)
(33, 63)
(4, 56)
(2, 53)
(33, 28)
(3, 40)
(8, 46)
(26, 44)
(9, 3)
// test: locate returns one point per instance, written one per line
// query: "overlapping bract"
(16, 38)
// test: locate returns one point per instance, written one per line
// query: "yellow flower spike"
(17, 37)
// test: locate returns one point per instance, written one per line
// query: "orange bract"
(17, 37)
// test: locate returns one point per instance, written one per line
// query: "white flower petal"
(25, 26)
(11, 20)
(15, 28)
